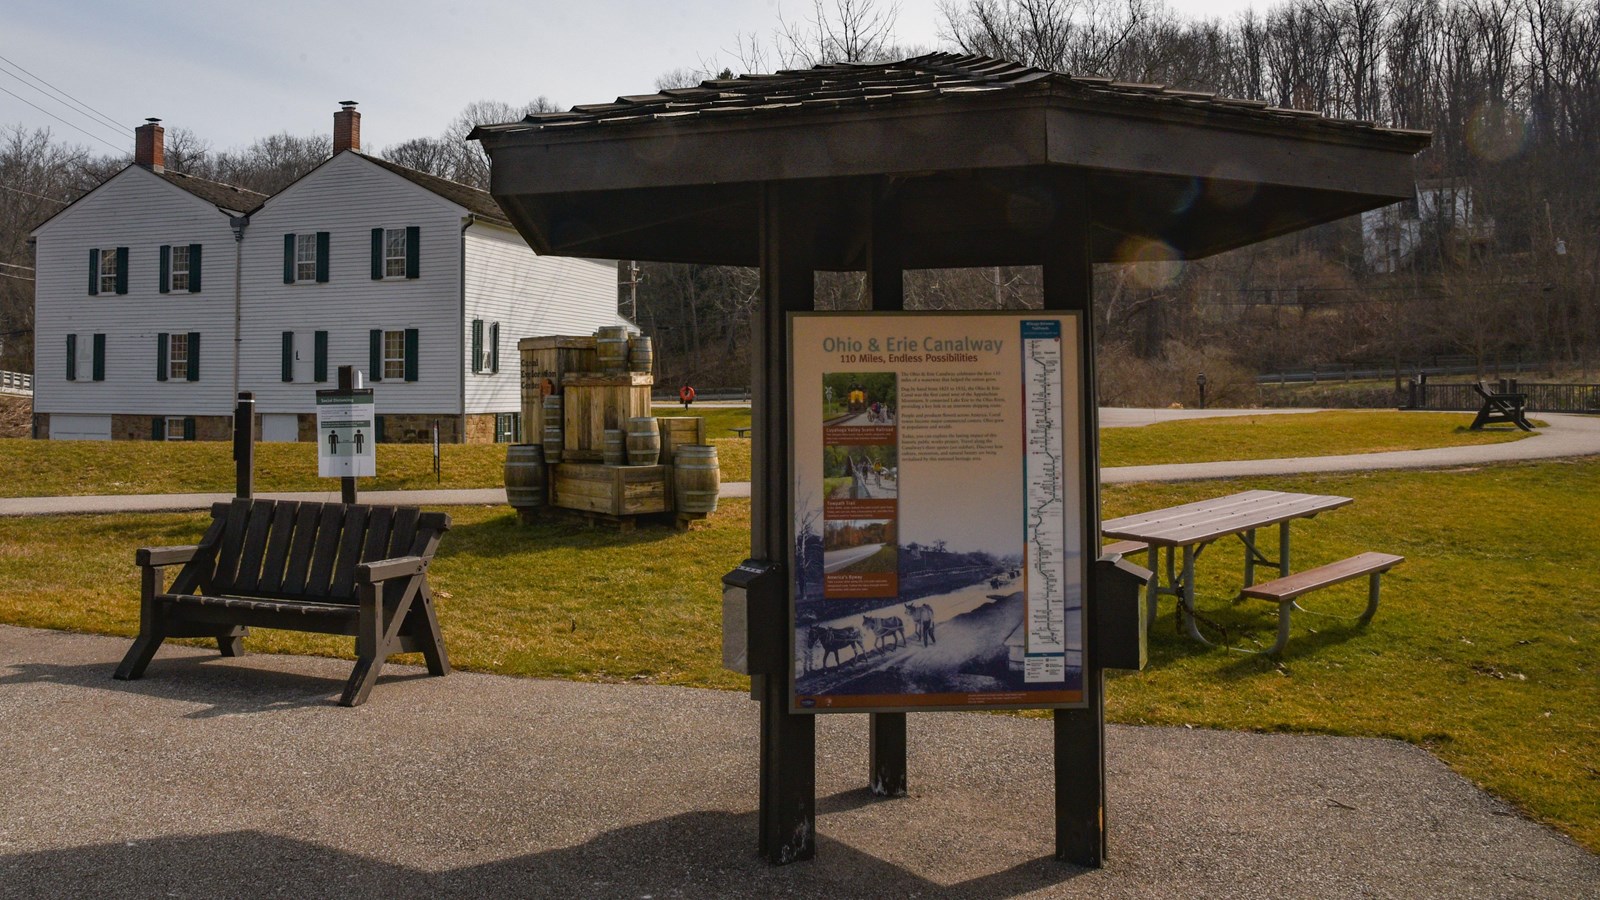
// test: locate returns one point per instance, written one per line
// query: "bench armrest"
(384, 569)
(164, 556)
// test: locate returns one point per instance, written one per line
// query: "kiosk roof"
(971, 148)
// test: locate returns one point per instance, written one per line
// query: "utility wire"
(5, 187)
(63, 121)
(86, 108)
(17, 277)
(15, 266)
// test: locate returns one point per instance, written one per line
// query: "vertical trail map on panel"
(1045, 502)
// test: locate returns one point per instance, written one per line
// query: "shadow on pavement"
(701, 854)
(224, 688)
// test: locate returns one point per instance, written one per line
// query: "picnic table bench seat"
(329, 568)
(1124, 548)
(1284, 591)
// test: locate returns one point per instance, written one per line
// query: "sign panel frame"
(982, 415)
(346, 434)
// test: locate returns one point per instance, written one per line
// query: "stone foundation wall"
(139, 428)
(397, 429)
(418, 428)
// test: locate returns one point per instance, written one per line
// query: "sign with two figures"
(346, 433)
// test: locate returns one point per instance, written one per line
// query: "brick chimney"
(346, 127)
(149, 145)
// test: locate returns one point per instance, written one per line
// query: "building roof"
(480, 203)
(875, 85)
(225, 197)
(974, 153)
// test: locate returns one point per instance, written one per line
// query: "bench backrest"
(292, 550)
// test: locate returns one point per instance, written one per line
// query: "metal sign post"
(346, 433)
(244, 445)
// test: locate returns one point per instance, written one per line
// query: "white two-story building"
(160, 297)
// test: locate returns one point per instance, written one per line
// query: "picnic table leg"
(1283, 628)
(1283, 549)
(1152, 589)
(1187, 600)
(1249, 538)
(1372, 598)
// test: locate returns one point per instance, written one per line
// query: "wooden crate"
(556, 357)
(594, 403)
(612, 490)
(677, 431)
(546, 362)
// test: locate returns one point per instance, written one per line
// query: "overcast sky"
(233, 72)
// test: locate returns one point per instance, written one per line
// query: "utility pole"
(633, 290)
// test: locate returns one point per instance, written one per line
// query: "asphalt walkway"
(241, 777)
(1565, 436)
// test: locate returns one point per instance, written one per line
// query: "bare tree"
(838, 31)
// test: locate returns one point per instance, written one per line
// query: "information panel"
(345, 431)
(938, 507)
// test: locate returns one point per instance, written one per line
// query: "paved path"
(1566, 436)
(241, 778)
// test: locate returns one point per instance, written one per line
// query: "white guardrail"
(16, 383)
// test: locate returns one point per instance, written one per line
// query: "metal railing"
(16, 383)
(1574, 398)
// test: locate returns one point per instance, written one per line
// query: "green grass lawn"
(1331, 433)
(720, 420)
(74, 468)
(69, 468)
(1483, 650)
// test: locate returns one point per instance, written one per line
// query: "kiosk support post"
(244, 446)
(1080, 761)
(788, 741)
(886, 742)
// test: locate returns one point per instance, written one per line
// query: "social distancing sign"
(346, 433)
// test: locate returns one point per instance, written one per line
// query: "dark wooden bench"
(741, 430)
(330, 568)
(1500, 406)
(1285, 590)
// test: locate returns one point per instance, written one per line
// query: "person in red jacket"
(686, 394)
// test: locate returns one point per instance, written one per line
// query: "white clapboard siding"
(530, 296)
(141, 211)
(348, 196)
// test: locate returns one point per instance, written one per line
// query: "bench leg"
(362, 678)
(152, 627)
(139, 655)
(428, 634)
(230, 641)
(371, 648)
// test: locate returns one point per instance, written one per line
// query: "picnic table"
(1188, 529)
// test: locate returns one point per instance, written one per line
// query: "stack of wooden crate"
(595, 400)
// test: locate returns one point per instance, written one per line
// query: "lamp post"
(1200, 381)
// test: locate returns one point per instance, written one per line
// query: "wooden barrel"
(525, 477)
(696, 478)
(554, 438)
(644, 441)
(641, 354)
(615, 451)
(611, 345)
